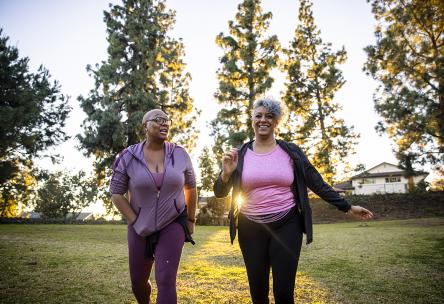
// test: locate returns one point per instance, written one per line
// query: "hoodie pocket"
(137, 217)
(175, 206)
(146, 221)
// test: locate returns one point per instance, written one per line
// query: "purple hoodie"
(155, 209)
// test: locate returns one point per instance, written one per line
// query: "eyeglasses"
(161, 121)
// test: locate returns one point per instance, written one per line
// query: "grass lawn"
(376, 262)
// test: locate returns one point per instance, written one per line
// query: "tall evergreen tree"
(408, 60)
(313, 78)
(144, 70)
(32, 117)
(244, 76)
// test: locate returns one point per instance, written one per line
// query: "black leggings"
(276, 245)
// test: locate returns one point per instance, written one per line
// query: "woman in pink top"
(153, 186)
(272, 177)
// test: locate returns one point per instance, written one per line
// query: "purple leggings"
(167, 256)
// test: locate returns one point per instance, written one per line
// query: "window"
(367, 181)
(393, 179)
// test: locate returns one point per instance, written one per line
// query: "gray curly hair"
(272, 105)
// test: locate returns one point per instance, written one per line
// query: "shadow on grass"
(214, 272)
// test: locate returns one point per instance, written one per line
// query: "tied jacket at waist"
(305, 175)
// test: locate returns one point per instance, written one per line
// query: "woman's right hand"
(124, 207)
(229, 164)
(131, 220)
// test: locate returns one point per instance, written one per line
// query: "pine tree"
(32, 117)
(408, 60)
(312, 80)
(144, 70)
(244, 76)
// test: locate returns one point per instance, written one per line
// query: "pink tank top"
(266, 182)
(158, 179)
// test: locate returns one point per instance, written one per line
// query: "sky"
(64, 36)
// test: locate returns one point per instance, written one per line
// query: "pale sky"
(65, 36)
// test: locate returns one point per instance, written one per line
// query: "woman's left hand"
(191, 227)
(360, 212)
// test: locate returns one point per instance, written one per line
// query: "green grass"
(376, 262)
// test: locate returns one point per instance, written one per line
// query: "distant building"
(383, 178)
(202, 201)
(30, 214)
(82, 216)
(344, 187)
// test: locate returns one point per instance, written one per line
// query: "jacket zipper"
(165, 163)
(157, 205)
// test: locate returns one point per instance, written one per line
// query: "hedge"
(384, 206)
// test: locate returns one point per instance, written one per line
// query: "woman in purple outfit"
(153, 186)
(272, 176)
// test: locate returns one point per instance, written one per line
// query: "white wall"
(380, 188)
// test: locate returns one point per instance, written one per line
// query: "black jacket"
(305, 175)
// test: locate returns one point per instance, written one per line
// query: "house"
(30, 214)
(383, 178)
(344, 188)
(202, 201)
(82, 216)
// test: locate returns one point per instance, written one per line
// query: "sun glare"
(240, 201)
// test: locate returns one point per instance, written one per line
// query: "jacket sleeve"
(190, 177)
(316, 184)
(222, 189)
(119, 179)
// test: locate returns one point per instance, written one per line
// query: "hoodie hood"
(137, 151)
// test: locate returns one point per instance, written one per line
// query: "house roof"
(347, 185)
(380, 174)
(401, 172)
(84, 215)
